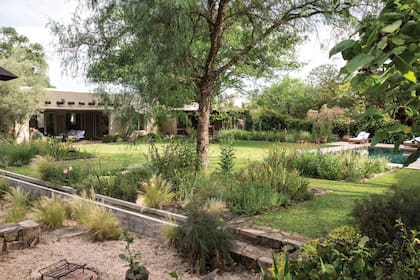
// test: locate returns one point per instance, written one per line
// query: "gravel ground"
(71, 244)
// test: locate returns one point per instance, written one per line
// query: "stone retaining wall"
(16, 236)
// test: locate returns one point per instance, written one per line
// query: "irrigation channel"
(253, 246)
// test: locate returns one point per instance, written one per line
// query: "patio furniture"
(361, 138)
(59, 269)
(414, 143)
(75, 135)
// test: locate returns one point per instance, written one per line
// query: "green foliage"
(4, 187)
(19, 209)
(333, 259)
(274, 136)
(204, 240)
(51, 212)
(22, 154)
(27, 61)
(385, 56)
(227, 156)
(262, 186)
(176, 160)
(134, 266)
(377, 215)
(349, 234)
(349, 165)
(156, 193)
(246, 198)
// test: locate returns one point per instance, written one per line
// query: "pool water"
(394, 157)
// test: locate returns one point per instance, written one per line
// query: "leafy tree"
(386, 60)
(188, 50)
(20, 97)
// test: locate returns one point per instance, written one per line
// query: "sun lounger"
(415, 142)
(361, 138)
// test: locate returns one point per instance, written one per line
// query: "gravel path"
(69, 243)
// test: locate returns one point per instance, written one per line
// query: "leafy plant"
(156, 193)
(377, 215)
(204, 240)
(134, 266)
(51, 212)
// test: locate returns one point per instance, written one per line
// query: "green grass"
(316, 217)
(126, 154)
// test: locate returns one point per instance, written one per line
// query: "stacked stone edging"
(16, 236)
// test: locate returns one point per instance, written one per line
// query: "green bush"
(245, 198)
(20, 154)
(51, 212)
(348, 165)
(339, 259)
(290, 136)
(176, 160)
(108, 138)
(377, 215)
(204, 240)
(227, 157)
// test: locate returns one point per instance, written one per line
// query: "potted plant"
(136, 271)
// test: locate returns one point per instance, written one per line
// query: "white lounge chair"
(361, 138)
(415, 142)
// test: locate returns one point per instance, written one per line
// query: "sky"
(30, 18)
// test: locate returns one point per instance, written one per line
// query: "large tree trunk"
(206, 90)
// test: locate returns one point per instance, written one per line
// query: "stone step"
(251, 255)
(268, 237)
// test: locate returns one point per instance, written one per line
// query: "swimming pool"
(394, 157)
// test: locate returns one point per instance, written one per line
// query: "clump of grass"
(99, 222)
(43, 163)
(51, 212)
(102, 224)
(215, 206)
(4, 187)
(156, 193)
(19, 209)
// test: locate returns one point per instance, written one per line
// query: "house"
(62, 111)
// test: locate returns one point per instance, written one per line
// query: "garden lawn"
(125, 154)
(317, 216)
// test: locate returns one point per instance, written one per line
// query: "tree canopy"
(26, 60)
(189, 50)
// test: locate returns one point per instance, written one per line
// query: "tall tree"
(187, 50)
(19, 98)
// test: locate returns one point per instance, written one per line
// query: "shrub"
(176, 160)
(108, 139)
(19, 201)
(246, 198)
(156, 193)
(4, 187)
(20, 154)
(332, 259)
(204, 240)
(50, 211)
(227, 156)
(377, 215)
